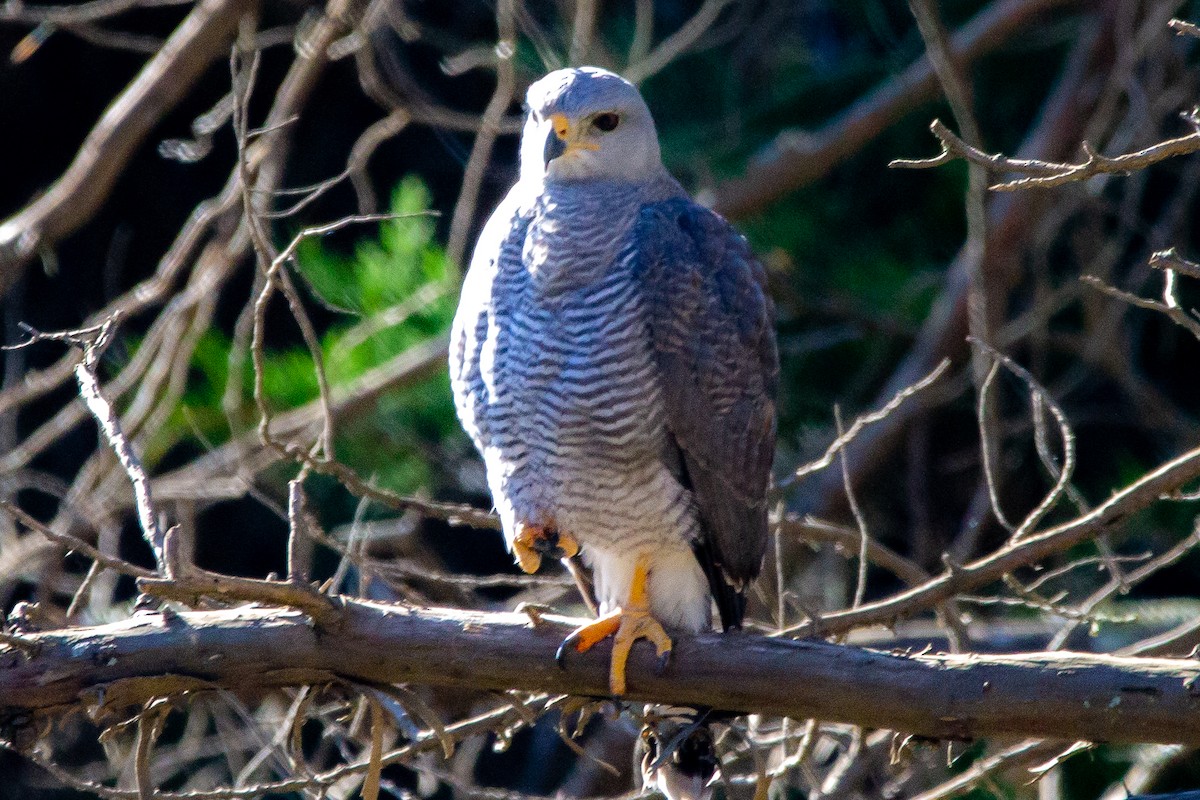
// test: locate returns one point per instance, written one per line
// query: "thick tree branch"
(1055, 695)
(798, 159)
(161, 84)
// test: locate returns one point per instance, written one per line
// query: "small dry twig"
(1046, 174)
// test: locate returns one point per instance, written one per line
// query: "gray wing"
(711, 325)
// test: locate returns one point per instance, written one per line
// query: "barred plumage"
(562, 389)
(614, 361)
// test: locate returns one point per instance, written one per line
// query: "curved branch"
(74, 14)
(78, 194)
(797, 159)
(1135, 497)
(1044, 174)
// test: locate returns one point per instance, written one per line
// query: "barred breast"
(565, 403)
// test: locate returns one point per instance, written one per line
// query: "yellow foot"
(534, 541)
(626, 626)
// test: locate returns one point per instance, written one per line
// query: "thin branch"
(1184, 28)
(1135, 497)
(987, 291)
(92, 11)
(864, 537)
(241, 459)
(848, 540)
(76, 196)
(110, 426)
(1168, 306)
(1013, 221)
(987, 456)
(583, 31)
(198, 585)
(863, 420)
(489, 129)
(93, 341)
(1046, 174)
(487, 722)
(75, 544)
(643, 31)
(1041, 398)
(677, 43)
(149, 726)
(1025, 752)
(799, 158)
(92, 34)
(1169, 259)
(1123, 583)
(273, 279)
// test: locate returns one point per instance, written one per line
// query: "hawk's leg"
(534, 541)
(626, 625)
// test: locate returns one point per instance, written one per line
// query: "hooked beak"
(556, 145)
(562, 140)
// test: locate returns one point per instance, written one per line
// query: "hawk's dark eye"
(607, 121)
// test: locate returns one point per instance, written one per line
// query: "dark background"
(857, 260)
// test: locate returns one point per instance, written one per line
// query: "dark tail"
(731, 602)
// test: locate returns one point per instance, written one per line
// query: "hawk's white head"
(587, 123)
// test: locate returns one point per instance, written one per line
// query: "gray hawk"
(613, 358)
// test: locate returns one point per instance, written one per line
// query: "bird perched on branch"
(613, 358)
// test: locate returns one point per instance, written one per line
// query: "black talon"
(560, 656)
(664, 662)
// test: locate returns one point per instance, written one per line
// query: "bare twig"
(849, 541)
(583, 31)
(1184, 28)
(862, 421)
(643, 31)
(74, 543)
(1045, 174)
(1041, 398)
(1169, 305)
(242, 458)
(1012, 223)
(677, 43)
(161, 84)
(1135, 497)
(1026, 752)
(1169, 259)
(481, 153)
(93, 342)
(272, 281)
(487, 722)
(987, 455)
(149, 726)
(200, 584)
(796, 158)
(1123, 583)
(864, 544)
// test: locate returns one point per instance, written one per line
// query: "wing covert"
(711, 325)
